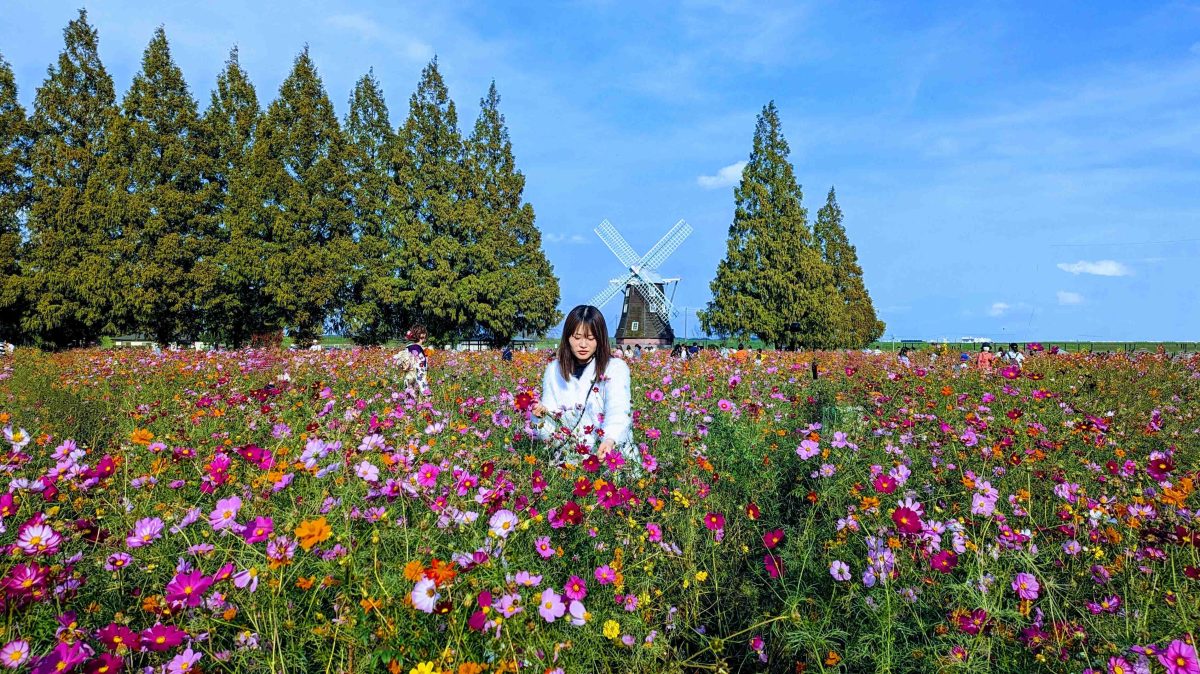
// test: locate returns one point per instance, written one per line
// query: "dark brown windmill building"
(646, 311)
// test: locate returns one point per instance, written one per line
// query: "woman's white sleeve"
(618, 409)
(549, 400)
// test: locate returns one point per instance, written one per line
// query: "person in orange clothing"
(986, 360)
(741, 355)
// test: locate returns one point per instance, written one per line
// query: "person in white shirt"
(585, 403)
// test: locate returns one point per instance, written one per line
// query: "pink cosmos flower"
(605, 575)
(224, 516)
(184, 662)
(808, 449)
(38, 539)
(1180, 658)
(839, 570)
(655, 532)
(575, 588)
(503, 523)
(550, 605)
(188, 588)
(14, 654)
(367, 471)
(1119, 665)
(724, 405)
(1026, 586)
(428, 474)
(543, 547)
(579, 614)
(145, 531)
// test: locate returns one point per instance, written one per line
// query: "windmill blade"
(655, 300)
(617, 244)
(666, 245)
(615, 287)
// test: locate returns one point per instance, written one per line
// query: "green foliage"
(301, 182)
(772, 282)
(14, 197)
(861, 326)
(239, 307)
(70, 266)
(157, 205)
(368, 311)
(513, 289)
(431, 213)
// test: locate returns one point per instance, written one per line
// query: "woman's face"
(583, 343)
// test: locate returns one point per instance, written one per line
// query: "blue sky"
(1010, 170)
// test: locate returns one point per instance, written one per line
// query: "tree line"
(150, 216)
(789, 283)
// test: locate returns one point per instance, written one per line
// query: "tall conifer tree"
(860, 326)
(772, 282)
(433, 217)
(302, 183)
(239, 307)
(515, 289)
(158, 204)
(69, 270)
(367, 314)
(14, 199)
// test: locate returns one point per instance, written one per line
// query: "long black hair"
(593, 322)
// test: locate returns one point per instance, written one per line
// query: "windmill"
(646, 312)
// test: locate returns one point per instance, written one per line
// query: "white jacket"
(608, 407)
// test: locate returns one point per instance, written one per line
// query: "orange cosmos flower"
(311, 532)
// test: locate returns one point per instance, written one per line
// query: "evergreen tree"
(239, 307)
(69, 269)
(370, 292)
(514, 289)
(14, 199)
(434, 221)
(772, 282)
(861, 326)
(158, 203)
(304, 190)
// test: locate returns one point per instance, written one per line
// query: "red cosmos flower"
(885, 484)
(1014, 414)
(752, 511)
(773, 538)
(714, 521)
(523, 401)
(571, 513)
(583, 487)
(944, 561)
(907, 521)
(773, 564)
(1160, 468)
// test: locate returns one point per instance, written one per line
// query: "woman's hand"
(607, 447)
(539, 410)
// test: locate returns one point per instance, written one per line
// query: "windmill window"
(633, 326)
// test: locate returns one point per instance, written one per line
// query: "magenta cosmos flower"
(907, 521)
(162, 637)
(1026, 586)
(944, 561)
(773, 564)
(188, 588)
(550, 606)
(575, 588)
(605, 575)
(714, 521)
(259, 530)
(428, 474)
(1180, 658)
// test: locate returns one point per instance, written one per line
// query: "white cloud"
(726, 177)
(369, 30)
(1067, 298)
(558, 237)
(999, 308)
(1097, 268)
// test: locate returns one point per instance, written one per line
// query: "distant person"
(903, 357)
(741, 355)
(637, 351)
(986, 360)
(694, 349)
(507, 353)
(1014, 356)
(415, 362)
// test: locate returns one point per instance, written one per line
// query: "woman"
(416, 350)
(585, 404)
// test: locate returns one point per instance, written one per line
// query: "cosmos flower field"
(296, 511)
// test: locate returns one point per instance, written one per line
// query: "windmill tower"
(646, 312)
